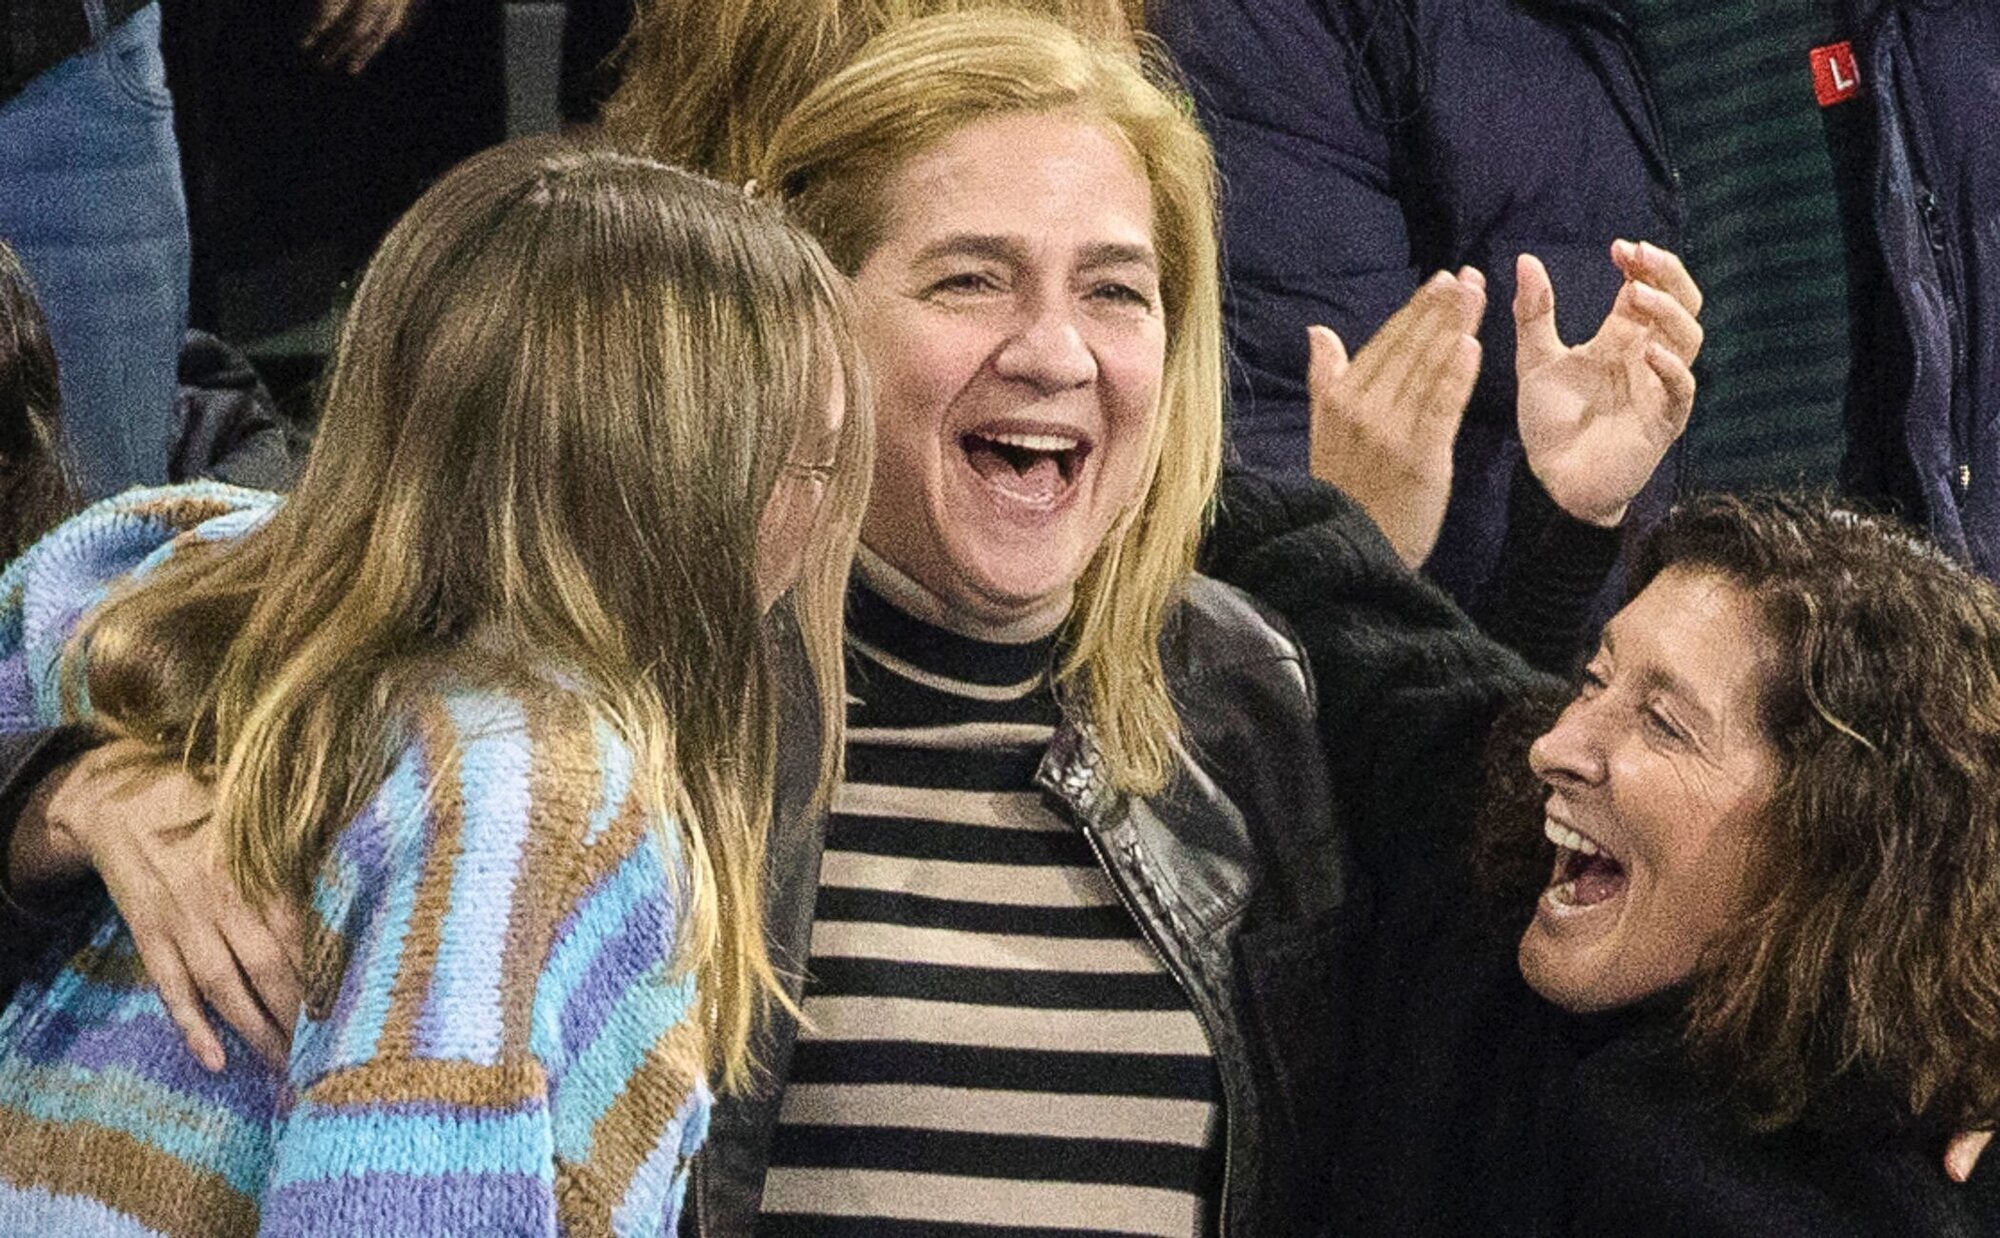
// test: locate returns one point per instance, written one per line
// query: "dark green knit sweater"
(1733, 83)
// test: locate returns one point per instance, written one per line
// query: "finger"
(1451, 389)
(223, 986)
(1326, 359)
(1661, 268)
(1472, 302)
(274, 981)
(1404, 337)
(288, 929)
(386, 23)
(1678, 379)
(1405, 355)
(170, 976)
(1536, 340)
(1962, 1156)
(1669, 319)
(368, 41)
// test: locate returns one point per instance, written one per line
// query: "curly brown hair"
(1871, 950)
(35, 489)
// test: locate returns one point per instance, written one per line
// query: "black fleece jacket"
(1463, 1104)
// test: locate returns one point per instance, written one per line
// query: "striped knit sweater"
(495, 1040)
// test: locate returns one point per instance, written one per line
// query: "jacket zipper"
(1147, 933)
(1927, 212)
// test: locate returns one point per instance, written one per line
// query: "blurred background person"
(91, 200)
(1824, 166)
(35, 487)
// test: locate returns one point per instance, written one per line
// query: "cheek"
(1130, 373)
(919, 367)
(1696, 892)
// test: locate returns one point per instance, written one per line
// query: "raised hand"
(1383, 424)
(1597, 418)
(142, 821)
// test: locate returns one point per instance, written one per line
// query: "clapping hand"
(1383, 423)
(1596, 419)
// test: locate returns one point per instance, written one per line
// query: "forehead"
(1037, 176)
(1701, 630)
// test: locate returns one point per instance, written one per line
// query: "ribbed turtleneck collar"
(890, 614)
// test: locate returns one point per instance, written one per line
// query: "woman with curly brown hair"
(1762, 976)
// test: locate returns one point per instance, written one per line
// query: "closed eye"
(1123, 294)
(1662, 723)
(967, 282)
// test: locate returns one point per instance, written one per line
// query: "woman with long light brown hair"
(490, 698)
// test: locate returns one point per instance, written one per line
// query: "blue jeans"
(91, 199)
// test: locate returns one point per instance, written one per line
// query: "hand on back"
(143, 821)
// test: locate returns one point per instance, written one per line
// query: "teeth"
(1562, 894)
(1034, 442)
(1562, 836)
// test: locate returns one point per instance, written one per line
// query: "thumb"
(1326, 359)
(1535, 335)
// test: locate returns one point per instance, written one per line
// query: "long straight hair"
(568, 385)
(910, 89)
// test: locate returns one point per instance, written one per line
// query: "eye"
(1662, 724)
(966, 283)
(1589, 682)
(1120, 293)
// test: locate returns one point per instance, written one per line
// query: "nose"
(1047, 349)
(1571, 753)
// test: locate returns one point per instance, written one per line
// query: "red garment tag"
(1835, 77)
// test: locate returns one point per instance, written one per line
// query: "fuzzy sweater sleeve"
(497, 1040)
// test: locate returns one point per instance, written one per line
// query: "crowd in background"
(963, 617)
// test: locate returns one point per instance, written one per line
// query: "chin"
(1560, 980)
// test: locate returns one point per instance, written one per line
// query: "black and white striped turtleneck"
(990, 1045)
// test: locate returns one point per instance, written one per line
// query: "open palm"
(1596, 419)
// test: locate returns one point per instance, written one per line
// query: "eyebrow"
(1664, 679)
(1008, 249)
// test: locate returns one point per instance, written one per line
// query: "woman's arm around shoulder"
(497, 1038)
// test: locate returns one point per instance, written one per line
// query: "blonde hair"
(704, 83)
(567, 387)
(910, 89)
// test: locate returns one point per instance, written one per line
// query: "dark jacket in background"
(229, 429)
(592, 30)
(296, 171)
(1366, 143)
(38, 35)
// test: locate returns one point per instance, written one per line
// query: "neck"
(915, 600)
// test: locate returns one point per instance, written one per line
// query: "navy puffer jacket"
(1365, 143)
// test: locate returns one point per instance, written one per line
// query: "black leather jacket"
(1233, 872)
(1318, 744)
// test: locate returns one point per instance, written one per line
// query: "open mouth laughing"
(1035, 467)
(1586, 875)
